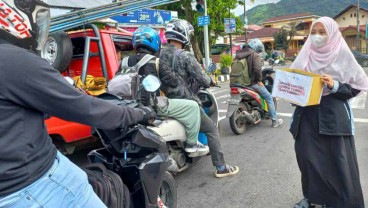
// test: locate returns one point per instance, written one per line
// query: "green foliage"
(225, 60)
(330, 8)
(281, 39)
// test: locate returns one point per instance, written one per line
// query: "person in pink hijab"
(324, 133)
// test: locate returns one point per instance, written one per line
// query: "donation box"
(297, 86)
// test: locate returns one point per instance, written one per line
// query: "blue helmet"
(256, 44)
(146, 37)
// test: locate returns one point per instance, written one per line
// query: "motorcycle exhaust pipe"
(250, 118)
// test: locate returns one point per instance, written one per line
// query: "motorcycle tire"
(237, 124)
(270, 62)
(282, 63)
(168, 191)
(262, 63)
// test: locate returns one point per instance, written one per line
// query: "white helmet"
(179, 30)
(25, 22)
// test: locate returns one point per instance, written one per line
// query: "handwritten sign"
(300, 89)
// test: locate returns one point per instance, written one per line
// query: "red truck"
(67, 53)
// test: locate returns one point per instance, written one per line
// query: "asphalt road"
(269, 176)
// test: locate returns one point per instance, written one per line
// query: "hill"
(330, 8)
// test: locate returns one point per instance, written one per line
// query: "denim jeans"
(268, 98)
(64, 185)
(213, 136)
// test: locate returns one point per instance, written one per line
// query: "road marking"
(222, 96)
(358, 102)
(356, 120)
(221, 118)
(219, 91)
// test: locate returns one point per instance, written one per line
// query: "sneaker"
(228, 171)
(198, 147)
(276, 123)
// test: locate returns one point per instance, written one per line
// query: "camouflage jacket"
(190, 74)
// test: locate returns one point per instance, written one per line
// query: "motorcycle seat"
(243, 87)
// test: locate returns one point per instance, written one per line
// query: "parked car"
(219, 48)
(66, 53)
(361, 58)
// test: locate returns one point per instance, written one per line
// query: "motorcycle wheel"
(270, 62)
(282, 63)
(262, 63)
(168, 192)
(237, 124)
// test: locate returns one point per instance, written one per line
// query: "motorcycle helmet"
(256, 44)
(179, 30)
(146, 37)
(25, 23)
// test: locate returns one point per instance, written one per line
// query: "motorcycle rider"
(32, 172)
(250, 52)
(184, 64)
(145, 41)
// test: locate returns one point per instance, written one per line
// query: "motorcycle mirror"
(151, 83)
(70, 80)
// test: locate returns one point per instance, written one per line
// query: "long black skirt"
(328, 165)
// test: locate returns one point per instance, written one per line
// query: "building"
(303, 22)
(347, 20)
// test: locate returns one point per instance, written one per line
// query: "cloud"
(240, 9)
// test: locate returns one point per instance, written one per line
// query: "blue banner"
(230, 25)
(145, 16)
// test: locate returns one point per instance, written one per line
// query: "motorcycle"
(173, 132)
(140, 157)
(278, 60)
(246, 107)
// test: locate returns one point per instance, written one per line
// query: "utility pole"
(245, 23)
(231, 39)
(206, 41)
(358, 28)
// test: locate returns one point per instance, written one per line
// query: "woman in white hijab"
(324, 138)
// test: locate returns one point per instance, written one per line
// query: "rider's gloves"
(149, 116)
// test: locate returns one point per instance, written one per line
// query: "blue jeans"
(268, 98)
(64, 185)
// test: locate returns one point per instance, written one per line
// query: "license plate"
(234, 100)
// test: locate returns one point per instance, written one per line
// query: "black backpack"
(108, 186)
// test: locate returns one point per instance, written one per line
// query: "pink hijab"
(335, 58)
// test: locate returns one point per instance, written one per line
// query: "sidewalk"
(223, 78)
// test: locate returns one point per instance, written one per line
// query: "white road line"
(219, 91)
(221, 118)
(222, 97)
(356, 120)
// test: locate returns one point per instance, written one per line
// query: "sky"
(240, 9)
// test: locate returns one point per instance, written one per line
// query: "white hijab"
(335, 58)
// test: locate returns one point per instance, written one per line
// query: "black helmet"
(25, 22)
(179, 30)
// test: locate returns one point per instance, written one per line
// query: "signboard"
(146, 16)
(230, 25)
(297, 86)
(203, 20)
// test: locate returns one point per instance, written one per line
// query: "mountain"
(330, 8)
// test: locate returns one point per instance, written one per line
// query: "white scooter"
(173, 132)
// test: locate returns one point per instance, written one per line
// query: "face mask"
(318, 40)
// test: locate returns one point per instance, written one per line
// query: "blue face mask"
(318, 41)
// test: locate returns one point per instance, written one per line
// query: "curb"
(223, 78)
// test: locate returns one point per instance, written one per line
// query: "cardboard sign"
(298, 86)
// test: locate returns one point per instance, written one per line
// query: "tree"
(285, 36)
(280, 38)
(216, 9)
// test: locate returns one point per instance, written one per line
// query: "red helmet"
(25, 22)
